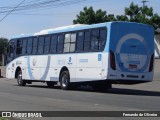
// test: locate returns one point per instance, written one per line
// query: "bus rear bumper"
(130, 77)
(127, 82)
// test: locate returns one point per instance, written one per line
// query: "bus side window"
(34, 48)
(60, 43)
(103, 38)
(29, 46)
(80, 41)
(24, 46)
(94, 39)
(11, 51)
(40, 45)
(19, 47)
(53, 45)
(67, 42)
(73, 42)
(87, 41)
(47, 44)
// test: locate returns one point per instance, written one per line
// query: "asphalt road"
(38, 97)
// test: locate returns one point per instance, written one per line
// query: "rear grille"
(132, 76)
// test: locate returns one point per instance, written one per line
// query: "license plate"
(131, 66)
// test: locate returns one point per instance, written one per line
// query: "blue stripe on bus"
(29, 68)
(44, 76)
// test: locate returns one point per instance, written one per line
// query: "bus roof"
(67, 28)
(59, 29)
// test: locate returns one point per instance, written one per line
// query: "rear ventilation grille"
(132, 76)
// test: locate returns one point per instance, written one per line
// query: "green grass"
(3, 118)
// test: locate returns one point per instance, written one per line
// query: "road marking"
(96, 104)
(5, 93)
(55, 99)
(52, 99)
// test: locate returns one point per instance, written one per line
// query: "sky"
(32, 21)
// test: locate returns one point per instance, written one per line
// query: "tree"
(3, 48)
(86, 17)
(132, 11)
(122, 18)
(142, 15)
(89, 16)
(155, 21)
(111, 17)
(3, 45)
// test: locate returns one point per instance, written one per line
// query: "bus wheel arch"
(18, 69)
(18, 76)
(64, 78)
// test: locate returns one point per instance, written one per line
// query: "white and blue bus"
(99, 55)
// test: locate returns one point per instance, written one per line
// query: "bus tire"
(20, 81)
(51, 84)
(65, 80)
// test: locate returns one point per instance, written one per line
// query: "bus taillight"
(112, 60)
(151, 63)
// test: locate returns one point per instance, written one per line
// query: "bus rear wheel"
(65, 80)
(20, 81)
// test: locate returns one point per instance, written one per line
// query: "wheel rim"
(64, 80)
(19, 78)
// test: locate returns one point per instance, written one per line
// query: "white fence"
(157, 48)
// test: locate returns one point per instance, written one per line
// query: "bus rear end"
(131, 53)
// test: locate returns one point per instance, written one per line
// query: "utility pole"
(144, 2)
